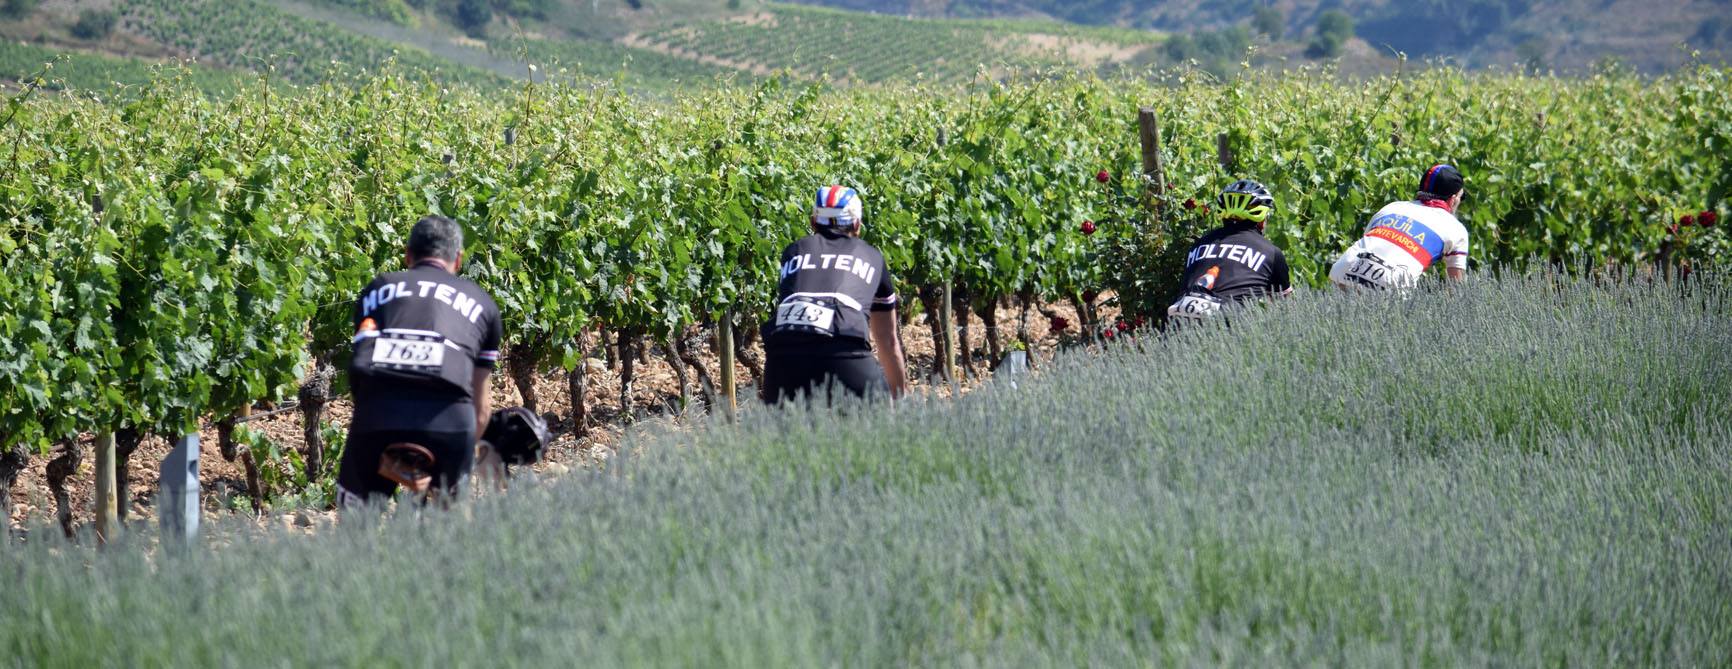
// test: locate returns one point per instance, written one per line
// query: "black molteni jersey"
(830, 281)
(420, 334)
(1236, 262)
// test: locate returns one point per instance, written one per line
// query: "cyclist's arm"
(1282, 281)
(888, 346)
(1455, 245)
(1455, 261)
(485, 361)
(483, 399)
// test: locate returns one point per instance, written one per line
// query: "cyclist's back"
(827, 267)
(1235, 262)
(836, 299)
(1405, 238)
(425, 342)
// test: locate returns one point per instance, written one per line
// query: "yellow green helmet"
(1246, 200)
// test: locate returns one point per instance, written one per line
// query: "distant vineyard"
(395, 11)
(641, 68)
(99, 73)
(253, 34)
(176, 258)
(871, 48)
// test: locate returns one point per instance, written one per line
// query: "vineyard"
(1543, 481)
(640, 68)
(395, 11)
(177, 259)
(816, 42)
(253, 34)
(92, 72)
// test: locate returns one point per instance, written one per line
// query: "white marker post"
(178, 498)
(1015, 364)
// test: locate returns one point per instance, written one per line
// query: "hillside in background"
(1569, 34)
(660, 45)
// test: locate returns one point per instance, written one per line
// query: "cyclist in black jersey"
(426, 341)
(1235, 262)
(836, 307)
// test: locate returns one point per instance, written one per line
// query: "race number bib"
(1196, 307)
(1367, 270)
(409, 353)
(803, 315)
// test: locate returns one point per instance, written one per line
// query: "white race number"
(805, 315)
(1365, 270)
(1195, 307)
(416, 353)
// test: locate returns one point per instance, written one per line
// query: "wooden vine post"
(725, 346)
(946, 324)
(107, 520)
(1224, 152)
(1149, 130)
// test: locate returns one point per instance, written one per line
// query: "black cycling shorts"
(358, 479)
(789, 375)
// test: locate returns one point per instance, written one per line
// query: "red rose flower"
(1686, 221)
(1707, 219)
(1089, 296)
(1124, 326)
(1139, 322)
(1108, 333)
(1190, 203)
(1103, 177)
(1060, 324)
(1088, 228)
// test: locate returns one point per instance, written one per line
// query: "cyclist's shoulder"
(469, 286)
(1398, 207)
(865, 249)
(1237, 234)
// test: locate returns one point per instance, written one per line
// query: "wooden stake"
(947, 347)
(107, 520)
(1224, 152)
(1150, 131)
(725, 346)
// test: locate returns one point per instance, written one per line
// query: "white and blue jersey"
(1400, 242)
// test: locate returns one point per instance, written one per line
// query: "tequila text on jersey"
(1411, 235)
(846, 263)
(1244, 255)
(423, 289)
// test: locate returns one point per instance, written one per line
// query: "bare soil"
(639, 41)
(1075, 50)
(655, 400)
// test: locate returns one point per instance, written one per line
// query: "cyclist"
(426, 341)
(1235, 262)
(1406, 237)
(836, 308)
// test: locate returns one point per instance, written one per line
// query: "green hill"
(254, 34)
(76, 70)
(654, 46)
(302, 42)
(661, 45)
(857, 47)
(1563, 33)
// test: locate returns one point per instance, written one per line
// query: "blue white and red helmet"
(838, 206)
